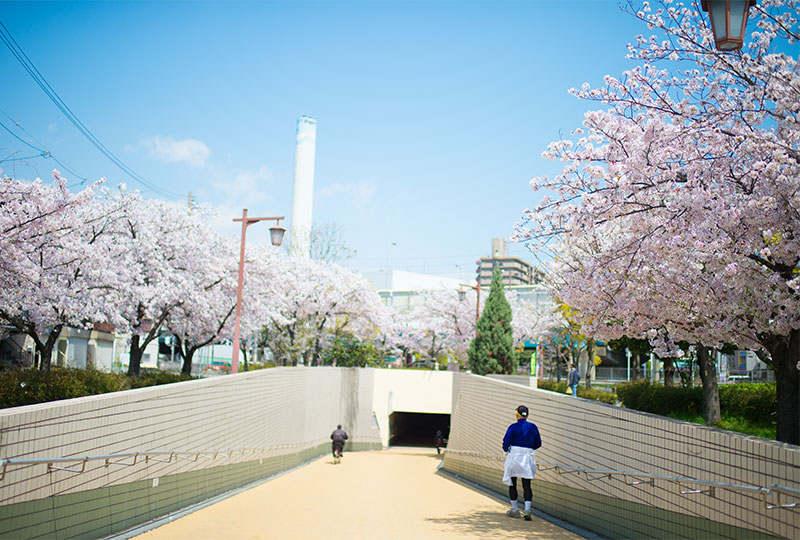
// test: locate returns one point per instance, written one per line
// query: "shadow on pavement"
(538, 528)
(497, 525)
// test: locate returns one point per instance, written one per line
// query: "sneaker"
(513, 513)
(527, 516)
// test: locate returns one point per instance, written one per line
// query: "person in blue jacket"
(574, 379)
(520, 441)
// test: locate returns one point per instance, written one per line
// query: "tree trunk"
(589, 362)
(708, 374)
(785, 352)
(558, 367)
(669, 372)
(135, 357)
(317, 359)
(637, 366)
(243, 350)
(45, 349)
(138, 345)
(187, 360)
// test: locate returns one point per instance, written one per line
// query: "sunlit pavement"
(390, 494)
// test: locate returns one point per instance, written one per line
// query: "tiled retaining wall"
(596, 436)
(285, 415)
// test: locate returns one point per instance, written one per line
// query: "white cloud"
(360, 193)
(243, 184)
(190, 151)
(235, 189)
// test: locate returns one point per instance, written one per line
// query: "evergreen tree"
(492, 350)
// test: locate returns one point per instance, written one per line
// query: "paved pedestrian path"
(382, 495)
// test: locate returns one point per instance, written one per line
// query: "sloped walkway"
(390, 494)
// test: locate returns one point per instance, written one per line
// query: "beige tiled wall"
(593, 435)
(284, 410)
(288, 410)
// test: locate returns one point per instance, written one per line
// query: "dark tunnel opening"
(417, 429)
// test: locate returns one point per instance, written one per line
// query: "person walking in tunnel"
(521, 439)
(338, 437)
(438, 441)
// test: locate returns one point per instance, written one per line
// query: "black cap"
(522, 410)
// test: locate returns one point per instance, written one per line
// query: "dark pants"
(527, 494)
(336, 446)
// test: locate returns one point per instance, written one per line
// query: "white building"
(398, 288)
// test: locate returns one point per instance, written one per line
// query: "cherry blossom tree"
(316, 301)
(55, 259)
(205, 315)
(167, 250)
(530, 320)
(678, 211)
(439, 322)
(267, 278)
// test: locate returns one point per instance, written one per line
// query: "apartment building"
(513, 270)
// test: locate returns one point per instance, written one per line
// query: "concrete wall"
(283, 415)
(596, 436)
(409, 391)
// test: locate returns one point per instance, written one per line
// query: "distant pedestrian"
(338, 437)
(438, 441)
(574, 379)
(520, 441)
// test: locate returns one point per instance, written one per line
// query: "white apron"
(519, 463)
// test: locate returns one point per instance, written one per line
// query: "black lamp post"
(728, 21)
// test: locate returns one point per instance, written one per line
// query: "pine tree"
(492, 350)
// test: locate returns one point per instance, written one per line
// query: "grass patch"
(730, 423)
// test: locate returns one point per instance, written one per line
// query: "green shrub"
(255, 366)
(656, 399)
(561, 387)
(745, 407)
(347, 351)
(155, 378)
(26, 387)
(755, 402)
(553, 386)
(597, 395)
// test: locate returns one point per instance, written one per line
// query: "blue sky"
(432, 116)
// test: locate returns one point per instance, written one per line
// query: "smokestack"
(303, 187)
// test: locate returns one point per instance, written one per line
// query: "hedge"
(755, 402)
(26, 387)
(561, 387)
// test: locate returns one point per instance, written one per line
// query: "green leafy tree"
(492, 350)
(640, 352)
(347, 351)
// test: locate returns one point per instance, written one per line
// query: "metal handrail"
(78, 463)
(634, 478)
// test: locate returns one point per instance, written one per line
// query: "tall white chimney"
(303, 187)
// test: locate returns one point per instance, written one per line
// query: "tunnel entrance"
(416, 429)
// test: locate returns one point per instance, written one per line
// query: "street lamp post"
(728, 21)
(276, 236)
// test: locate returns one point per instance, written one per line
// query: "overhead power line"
(26, 63)
(43, 152)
